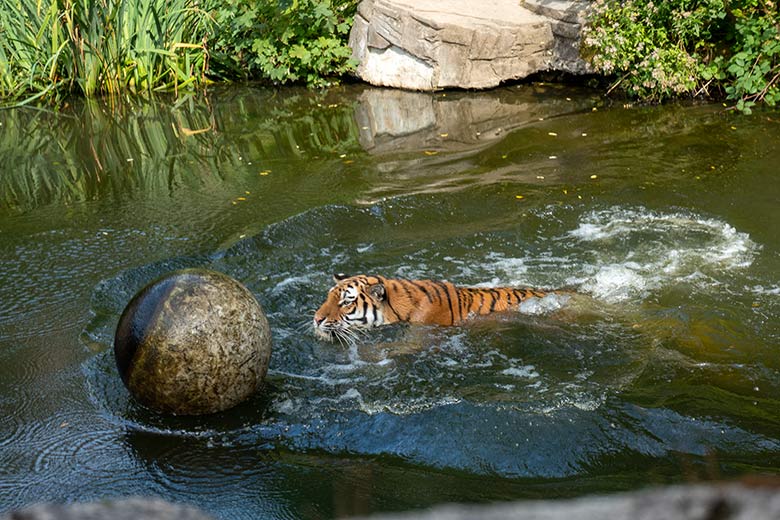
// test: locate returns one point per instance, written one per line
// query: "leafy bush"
(687, 47)
(282, 41)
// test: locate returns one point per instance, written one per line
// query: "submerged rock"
(436, 44)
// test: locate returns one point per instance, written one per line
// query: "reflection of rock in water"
(398, 120)
(437, 133)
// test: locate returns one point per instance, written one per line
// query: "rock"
(567, 18)
(192, 342)
(121, 509)
(691, 502)
(436, 44)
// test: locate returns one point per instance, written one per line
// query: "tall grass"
(51, 48)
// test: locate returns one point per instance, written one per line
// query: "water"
(662, 368)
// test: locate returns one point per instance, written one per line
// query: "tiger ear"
(337, 277)
(377, 292)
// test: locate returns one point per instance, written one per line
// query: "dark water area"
(664, 368)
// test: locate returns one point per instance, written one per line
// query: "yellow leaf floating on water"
(348, 161)
(553, 134)
(430, 152)
(594, 176)
(241, 198)
(265, 172)
(444, 135)
(519, 197)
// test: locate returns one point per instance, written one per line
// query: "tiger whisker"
(349, 335)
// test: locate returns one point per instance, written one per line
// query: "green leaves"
(304, 40)
(688, 48)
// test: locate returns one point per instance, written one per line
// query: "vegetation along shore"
(646, 50)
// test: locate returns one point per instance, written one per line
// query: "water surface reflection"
(661, 217)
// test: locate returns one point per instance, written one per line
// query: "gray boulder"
(436, 44)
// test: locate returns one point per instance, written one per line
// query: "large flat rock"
(691, 502)
(437, 44)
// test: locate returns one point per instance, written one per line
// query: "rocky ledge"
(755, 498)
(437, 44)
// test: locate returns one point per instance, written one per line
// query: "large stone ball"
(192, 342)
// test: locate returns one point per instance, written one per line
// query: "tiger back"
(365, 301)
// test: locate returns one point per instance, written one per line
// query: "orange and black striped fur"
(366, 301)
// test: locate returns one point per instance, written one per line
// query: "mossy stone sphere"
(192, 342)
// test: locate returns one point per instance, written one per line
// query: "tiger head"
(355, 302)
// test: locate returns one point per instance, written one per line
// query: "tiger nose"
(317, 321)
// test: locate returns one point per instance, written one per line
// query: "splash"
(619, 255)
(637, 251)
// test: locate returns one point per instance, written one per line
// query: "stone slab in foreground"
(436, 44)
(757, 500)
(117, 509)
(691, 502)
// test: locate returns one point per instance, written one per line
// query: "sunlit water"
(662, 366)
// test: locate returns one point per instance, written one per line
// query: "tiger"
(366, 301)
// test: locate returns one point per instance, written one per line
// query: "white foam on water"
(664, 248)
(674, 242)
(524, 372)
(761, 290)
(547, 304)
(617, 282)
(585, 402)
(291, 280)
(407, 407)
(621, 254)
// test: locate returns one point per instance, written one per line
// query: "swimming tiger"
(365, 301)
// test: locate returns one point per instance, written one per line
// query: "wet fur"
(366, 301)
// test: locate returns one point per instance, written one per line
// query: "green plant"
(751, 73)
(58, 47)
(283, 41)
(687, 47)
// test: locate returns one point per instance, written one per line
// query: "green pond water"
(664, 368)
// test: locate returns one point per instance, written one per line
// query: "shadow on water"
(667, 353)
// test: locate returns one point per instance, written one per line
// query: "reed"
(52, 48)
